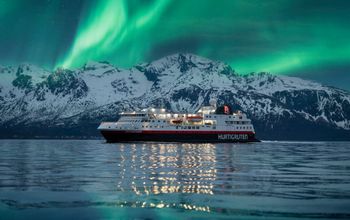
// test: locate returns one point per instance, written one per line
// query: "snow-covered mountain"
(36, 102)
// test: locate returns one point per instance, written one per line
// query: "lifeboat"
(195, 118)
(176, 121)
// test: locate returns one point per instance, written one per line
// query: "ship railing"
(107, 123)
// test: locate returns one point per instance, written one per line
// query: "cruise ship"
(209, 124)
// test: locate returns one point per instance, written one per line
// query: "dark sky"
(302, 38)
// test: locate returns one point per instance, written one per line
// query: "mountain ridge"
(71, 103)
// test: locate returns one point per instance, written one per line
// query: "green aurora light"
(294, 37)
(109, 29)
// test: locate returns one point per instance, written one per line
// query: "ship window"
(240, 117)
(189, 127)
(150, 126)
(214, 127)
(158, 120)
(197, 127)
(177, 127)
(214, 116)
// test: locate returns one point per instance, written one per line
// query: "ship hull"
(113, 136)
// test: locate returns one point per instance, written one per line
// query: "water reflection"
(138, 181)
(167, 168)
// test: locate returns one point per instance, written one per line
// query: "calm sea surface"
(89, 179)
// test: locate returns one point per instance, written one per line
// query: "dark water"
(61, 179)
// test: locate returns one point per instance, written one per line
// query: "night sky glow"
(305, 38)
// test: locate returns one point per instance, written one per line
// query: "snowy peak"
(180, 70)
(268, 83)
(22, 78)
(32, 72)
(185, 63)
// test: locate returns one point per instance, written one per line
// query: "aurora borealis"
(304, 38)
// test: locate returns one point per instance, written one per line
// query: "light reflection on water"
(155, 168)
(91, 180)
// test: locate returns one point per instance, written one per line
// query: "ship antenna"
(212, 102)
(161, 104)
